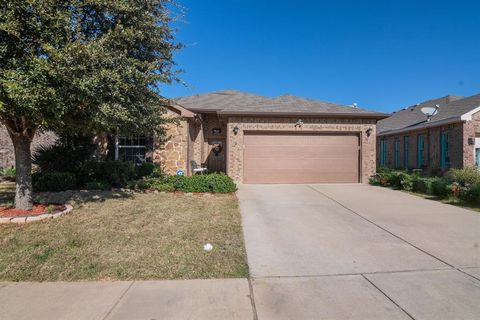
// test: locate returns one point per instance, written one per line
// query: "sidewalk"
(129, 300)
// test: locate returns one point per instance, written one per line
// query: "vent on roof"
(354, 105)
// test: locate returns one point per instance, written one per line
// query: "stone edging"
(43, 216)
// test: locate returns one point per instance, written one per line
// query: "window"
(132, 148)
(421, 151)
(383, 152)
(445, 150)
(397, 153)
(406, 141)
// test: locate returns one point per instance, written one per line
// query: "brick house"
(257, 139)
(449, 139)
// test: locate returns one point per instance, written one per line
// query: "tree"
(72, 65)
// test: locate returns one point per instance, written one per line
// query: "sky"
(382, 55)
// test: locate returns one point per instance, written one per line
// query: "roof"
(451, 109)
(232, 102)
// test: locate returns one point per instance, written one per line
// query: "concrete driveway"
(359, 252)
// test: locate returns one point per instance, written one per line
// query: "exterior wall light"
(235, 130)
(369, 132)
(299, 123)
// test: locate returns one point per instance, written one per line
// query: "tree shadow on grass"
(81, 196)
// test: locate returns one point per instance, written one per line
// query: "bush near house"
(462, 184)
(215, 183)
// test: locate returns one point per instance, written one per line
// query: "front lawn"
(132, 237)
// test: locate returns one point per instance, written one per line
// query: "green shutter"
(420, 151)
(405, 151)
(444, 150)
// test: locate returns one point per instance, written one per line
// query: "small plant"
(8, 173)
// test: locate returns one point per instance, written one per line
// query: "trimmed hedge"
(215, 183)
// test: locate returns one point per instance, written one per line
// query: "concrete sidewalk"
(146, 300)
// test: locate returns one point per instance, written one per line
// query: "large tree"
(69, 65)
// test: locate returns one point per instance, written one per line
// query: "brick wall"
(461, 154)
(235, 142)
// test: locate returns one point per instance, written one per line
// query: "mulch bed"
(38, 209)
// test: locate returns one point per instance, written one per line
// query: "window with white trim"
(131, 148)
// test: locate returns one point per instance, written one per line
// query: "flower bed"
(10, 214)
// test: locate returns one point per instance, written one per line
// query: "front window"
(421, 151)
(406, 141)
(397, 153)
(131, 148)
(445, 150)
(383, 152)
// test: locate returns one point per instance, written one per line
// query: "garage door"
(300, 158)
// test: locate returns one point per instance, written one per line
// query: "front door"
(216, 152)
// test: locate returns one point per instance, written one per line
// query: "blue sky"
(383, 55)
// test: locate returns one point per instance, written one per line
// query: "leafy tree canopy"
(84, 64)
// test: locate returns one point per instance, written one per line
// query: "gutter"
(377, 116)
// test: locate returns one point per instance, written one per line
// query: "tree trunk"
(23, 167)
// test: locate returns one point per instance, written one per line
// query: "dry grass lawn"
(144, 236)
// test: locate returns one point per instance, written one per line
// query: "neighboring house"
(257, 139)
(449, 139)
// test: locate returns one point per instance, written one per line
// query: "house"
(449, 139)
(256, 139)
(285, 139)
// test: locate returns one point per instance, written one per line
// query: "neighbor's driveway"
(359, 252)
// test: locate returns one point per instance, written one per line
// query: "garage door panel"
(306, 151)
(300, 158)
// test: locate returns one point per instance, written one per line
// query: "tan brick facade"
(360, 126)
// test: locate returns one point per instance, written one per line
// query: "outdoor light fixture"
(299, 123)
(235, 130)
(369, 132)
(430, 111)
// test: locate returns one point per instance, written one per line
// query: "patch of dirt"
(37, 210)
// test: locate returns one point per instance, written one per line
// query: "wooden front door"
(216, 155)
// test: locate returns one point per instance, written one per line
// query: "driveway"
(359, 252)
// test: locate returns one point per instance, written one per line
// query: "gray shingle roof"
(412, 118)
(236, 102)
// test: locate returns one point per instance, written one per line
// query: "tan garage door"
(300, 158)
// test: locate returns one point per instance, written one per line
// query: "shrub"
(464, 177)
(139, 184)
(97, 185)
(65, 155)
(115, 173)
(420, 184)
(471, 194)
(146, 169)
(163, 187)
(217, 183)
(53, 181)
(440, 187)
